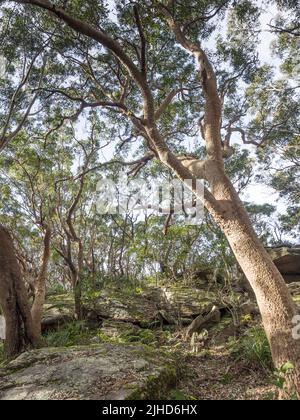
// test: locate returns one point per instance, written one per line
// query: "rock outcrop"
(287, 261)
(58, 310)
(188, 302)
(154, 306)
(103, 372)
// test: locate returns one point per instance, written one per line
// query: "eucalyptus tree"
(22, 63)
(72, 197)
(27, 179)
(273, 98)
(162, 71)
(285, 177)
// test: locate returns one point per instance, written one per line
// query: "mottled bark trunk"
(14, 300)
(273, 297)
(275, 303)
(40, 286)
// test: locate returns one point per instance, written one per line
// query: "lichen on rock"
(106, 371)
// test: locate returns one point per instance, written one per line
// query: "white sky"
(257, 193)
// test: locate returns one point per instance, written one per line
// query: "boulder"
(294, 288)
(122, 306)
(124, 332)
(148, 308)
(102, 372)
(117, 330)
(189, 303)
(224, 331)
(58, 310)
(248, 308)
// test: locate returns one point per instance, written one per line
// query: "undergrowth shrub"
(254, 348)
(75, 333)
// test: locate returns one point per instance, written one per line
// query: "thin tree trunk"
(40, 286)
(14, 300)
(78, 299)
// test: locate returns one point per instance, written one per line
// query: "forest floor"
(217, 375)
(229, 363)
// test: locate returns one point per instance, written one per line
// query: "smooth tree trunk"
(40, 286)
(14, 302)
(77, 292)
(75, 274)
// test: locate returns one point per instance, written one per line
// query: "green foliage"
(226, 379)
(279, 380)
(130, 335)
(178, 395)
(254, 348)
(262, 219)
(39, 170)
(73, 334)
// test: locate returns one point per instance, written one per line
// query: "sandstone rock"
(294, 288)
(102, 372)
(116, 329)
(188, 302)
(287, 261)
(223, 332)
(133, 308)
(151, 307)
(58, 310)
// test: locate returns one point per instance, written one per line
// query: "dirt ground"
(219, 376)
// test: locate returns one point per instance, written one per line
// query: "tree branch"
(290, 31)
(166, 102)
(203, 17)
(143, 40)
(213, 104)
(97, 34)
(6, 138)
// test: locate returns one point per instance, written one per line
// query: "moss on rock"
(105, 371)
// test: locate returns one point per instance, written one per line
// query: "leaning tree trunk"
(273, 297)
(14, 300)
(40, 286)
(275, 302)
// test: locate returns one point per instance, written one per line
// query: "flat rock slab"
(102, 372)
